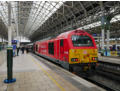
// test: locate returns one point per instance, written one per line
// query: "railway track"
(110, 73)
(106, 79)
(107, 75)
(109, 67)
(102, 79)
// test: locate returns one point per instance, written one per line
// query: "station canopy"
(41, 19)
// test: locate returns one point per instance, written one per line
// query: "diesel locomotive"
(75, 48)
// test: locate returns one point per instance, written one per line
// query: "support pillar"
(108, 19)
(108, 43)
(18, 42)
(105, 23)
(103, 37)
(9, 50)
(9, 36)
(103, 28)
(108, 39)
(18, 38)
(99, 41)
(2, 46)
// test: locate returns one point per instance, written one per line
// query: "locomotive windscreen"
(79, 40)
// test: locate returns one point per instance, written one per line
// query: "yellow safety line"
(62, 89)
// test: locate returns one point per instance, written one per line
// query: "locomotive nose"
(82, 56)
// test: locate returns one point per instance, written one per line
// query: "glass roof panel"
(4, 12)
(43, 12)
(95, 24)
(32, 17)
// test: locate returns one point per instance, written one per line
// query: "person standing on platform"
(27, 49)
(14, 50)
(22, 49)
(18, 48)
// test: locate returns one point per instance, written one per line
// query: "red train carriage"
(70, 49)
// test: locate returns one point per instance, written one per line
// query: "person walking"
(27, 49)
(18, 48)
(22, 49)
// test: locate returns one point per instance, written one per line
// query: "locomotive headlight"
(74, 59)
(94, 58)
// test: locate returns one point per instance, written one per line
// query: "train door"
(61, 49)
(55, 49)
(36, 48)
(58, 49)
(66, 49)
(51, 48)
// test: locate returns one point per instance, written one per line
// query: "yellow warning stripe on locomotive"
(82, 56)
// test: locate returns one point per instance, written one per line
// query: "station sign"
(14, 41)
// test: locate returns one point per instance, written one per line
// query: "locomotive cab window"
(61, 42)
(51, 48)
(79, 40)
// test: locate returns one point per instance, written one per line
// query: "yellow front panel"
(83, 55)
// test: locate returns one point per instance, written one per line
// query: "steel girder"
(77, 12)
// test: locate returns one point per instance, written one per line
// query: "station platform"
(2, 56)
(34, 73)
(109, 59)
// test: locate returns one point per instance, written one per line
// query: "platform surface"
(33, 74)
(115, 60)
(2, 57)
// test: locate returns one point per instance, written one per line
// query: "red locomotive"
(70, 49)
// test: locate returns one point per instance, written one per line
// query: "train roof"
(65, 34)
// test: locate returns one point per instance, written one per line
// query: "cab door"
(61, 49)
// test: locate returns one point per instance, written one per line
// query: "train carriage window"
(81, 40)
(51, 48)
(61, 42)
